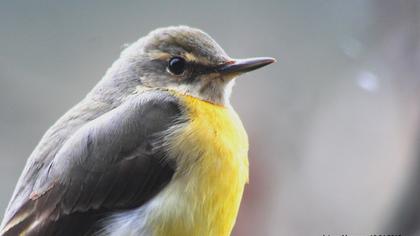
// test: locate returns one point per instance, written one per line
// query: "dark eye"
(177, 65)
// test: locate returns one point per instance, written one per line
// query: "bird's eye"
(177, 65)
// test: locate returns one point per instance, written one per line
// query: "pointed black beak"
(239, 66)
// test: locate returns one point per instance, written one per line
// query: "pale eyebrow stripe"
(189, 57)
(200, 60)
(157, 55)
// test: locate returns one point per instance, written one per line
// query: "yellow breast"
(212, 168)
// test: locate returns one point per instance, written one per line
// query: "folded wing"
(111, 163)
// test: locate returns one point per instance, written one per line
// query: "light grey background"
(333, 125)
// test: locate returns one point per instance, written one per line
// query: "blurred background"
(334, 125)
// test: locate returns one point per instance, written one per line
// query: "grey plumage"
(109, 163)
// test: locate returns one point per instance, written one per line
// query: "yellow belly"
(212, 156)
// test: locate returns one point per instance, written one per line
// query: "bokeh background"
(334, 125)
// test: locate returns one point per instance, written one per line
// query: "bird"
(155, 148)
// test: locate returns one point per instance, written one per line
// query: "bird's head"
(183, 59)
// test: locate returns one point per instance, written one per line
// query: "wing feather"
(110, 163)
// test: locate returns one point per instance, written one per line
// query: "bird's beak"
(240, 66)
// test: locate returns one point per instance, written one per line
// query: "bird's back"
(43, 155)
(48, 147)
(97, 159)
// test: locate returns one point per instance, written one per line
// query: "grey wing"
(114, 162)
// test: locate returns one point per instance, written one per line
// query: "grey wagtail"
(154, 149)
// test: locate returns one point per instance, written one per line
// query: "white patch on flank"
(130, 222)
